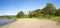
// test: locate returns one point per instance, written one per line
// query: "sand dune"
(30, 23)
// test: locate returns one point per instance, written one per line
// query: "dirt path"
(31, 23)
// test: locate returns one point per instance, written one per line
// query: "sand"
(30, 23)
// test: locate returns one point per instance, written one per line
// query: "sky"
(12, 7)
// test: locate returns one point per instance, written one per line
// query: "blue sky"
(12, 7)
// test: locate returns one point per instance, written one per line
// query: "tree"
(20, 14)
(30, 14)
(57, 12)
(49, 9)
(6, 16)
(35, 13)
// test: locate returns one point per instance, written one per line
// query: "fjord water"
(5, 21)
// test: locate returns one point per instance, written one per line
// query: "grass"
(55, 18)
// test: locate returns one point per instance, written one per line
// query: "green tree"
(30, 15)
(6, 17)
(49, 9)
(35, 13)
(57, 12)
(20, 14)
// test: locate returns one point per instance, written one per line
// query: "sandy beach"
(30, 23)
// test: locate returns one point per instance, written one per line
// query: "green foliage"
(49, 9)
(57, 12)
(38, 12)
(5, 16)
(35, 13)
(55, 18)
(20, 14)
(30, 14)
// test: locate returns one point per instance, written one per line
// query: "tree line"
(48, 10)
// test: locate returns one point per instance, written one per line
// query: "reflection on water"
(5, 21)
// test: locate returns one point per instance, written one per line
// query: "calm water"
(5, 21)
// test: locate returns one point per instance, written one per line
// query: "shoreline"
(31, 23)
